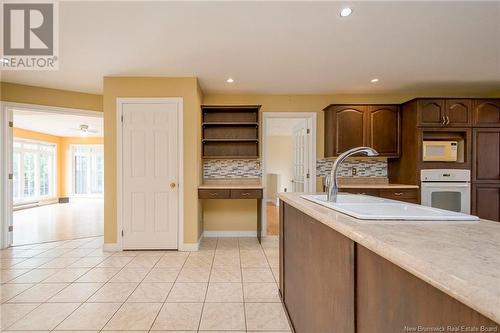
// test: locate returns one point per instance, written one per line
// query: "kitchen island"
(340, 274)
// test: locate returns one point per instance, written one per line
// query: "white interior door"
(301, 172)
(150, 176)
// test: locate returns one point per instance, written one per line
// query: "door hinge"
(11, 124)
(122, 233)
(11, 176)
(308, 175)
(308, 131)
(122, 118)
(11, 228)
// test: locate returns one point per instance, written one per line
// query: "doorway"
(149, 173)
(289, 160)
(39, 196)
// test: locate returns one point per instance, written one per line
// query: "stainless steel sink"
(365, 207)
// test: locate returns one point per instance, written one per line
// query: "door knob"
(172, 185)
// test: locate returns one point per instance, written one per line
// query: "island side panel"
(388, 299)
(318, 274)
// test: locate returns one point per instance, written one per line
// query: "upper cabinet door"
(384, 129)
(431, 112)
(486, 113)
(345, 128)
(458, 113)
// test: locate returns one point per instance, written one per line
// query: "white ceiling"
(280, 47)
(56, 123)
(281, 126)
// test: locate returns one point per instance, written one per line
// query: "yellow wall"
(188, 89)
(63, 154)
(18, 93)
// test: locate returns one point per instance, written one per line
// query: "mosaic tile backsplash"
(364, 167)
(231, 169)
(373, 167)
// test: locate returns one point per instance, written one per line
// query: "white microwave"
(440, 151)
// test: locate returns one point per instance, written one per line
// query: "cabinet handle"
(398, 194)
(443, 120)
(214, 194)
(245, 193)
(447, 120)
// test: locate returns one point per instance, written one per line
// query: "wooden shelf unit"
(230, 132)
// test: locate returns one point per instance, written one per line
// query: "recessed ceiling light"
(375, 80)
(230, 80)
(345, 12)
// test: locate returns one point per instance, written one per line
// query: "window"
(88, 169)
(34, 171)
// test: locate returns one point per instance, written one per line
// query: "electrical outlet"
(354, 171)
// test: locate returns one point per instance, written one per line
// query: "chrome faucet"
(331, 182)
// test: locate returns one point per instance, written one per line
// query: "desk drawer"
(214, 194)
(246, 194)
(399, 194)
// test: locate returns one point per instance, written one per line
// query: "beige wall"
(188, 89)
(19, 93)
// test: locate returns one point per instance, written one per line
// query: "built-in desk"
(231, 190)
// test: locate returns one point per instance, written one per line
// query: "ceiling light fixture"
(229, 80)
(375, 80)
(345, 12)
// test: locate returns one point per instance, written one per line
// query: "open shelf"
(230, 131)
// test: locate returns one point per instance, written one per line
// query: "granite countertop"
(460, 259)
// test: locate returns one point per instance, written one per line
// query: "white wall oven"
(448, 189)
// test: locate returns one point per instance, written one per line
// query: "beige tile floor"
(74, 286)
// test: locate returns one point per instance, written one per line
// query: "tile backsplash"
(231, 169)
(224, 168)
(365, 167)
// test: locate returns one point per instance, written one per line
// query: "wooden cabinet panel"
(399, 194)
(246, 194)
(486, 113)
(486, 155)
(384, 129)
(458, 112)
(318, 275)
(214, 194)
(388, 299)
(486, 201)
(430, 112)
(349, 126)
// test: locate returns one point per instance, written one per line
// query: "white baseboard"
(112, 247)
(229, 233)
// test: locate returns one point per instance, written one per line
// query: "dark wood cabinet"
(486, 113)
(486, 155)
(486, 201)
(349, 126)
(345, 127)
(388, 299)
(458, 112)
(384, 129)
(401, 194)
(317, 271)
(430, 112)
(445, 112)
(230, 131)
